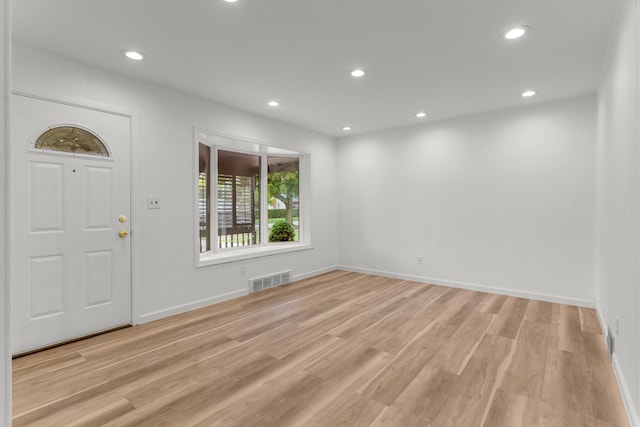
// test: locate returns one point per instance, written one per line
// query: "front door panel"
(70, 270)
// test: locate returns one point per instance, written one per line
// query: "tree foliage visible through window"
(284, 185)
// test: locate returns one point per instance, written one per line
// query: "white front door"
(69, 267)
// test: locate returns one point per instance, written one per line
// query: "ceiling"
(446, 57)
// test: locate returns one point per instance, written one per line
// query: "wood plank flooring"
(341, 349)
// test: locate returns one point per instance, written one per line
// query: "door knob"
(122, 234)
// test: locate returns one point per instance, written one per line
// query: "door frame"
(134, 208)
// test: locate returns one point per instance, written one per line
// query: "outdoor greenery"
(282, 231)
(281, 213)
(284, 186)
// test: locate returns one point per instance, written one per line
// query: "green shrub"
(282, 231)
(281, 213)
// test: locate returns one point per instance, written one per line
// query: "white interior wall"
(5, 355)
(162, 166)
(501, 201)
(618, 200)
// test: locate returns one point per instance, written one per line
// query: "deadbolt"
(122, 219)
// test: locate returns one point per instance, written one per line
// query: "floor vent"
(271, 281)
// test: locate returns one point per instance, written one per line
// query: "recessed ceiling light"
(273, 103)
(346, 128)
(133, 54)
(516, 32)
(357, 72)
(421, 114)
(230, 1)
(528, 93)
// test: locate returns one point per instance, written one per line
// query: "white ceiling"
(446, 57)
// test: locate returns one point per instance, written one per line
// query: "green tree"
(284, 186)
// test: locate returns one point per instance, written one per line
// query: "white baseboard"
(160, 314)
(603, 325)
(475, 287)
(632, 412)
(314, 273)
(183, 308)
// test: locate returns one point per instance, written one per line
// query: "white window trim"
(217, 256)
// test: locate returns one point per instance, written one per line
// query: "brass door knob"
(122, 234)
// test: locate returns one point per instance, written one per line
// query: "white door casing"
(70, 270)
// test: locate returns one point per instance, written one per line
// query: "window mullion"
(213, 213)
(234, 205)
(264, 201)
(302, 192)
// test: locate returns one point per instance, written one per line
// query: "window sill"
(233, 255)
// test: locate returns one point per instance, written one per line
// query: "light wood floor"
(341, 349)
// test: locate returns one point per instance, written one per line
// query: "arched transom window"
(71, 139)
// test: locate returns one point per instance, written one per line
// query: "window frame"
(216, 141)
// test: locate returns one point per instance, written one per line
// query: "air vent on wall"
(271, 281)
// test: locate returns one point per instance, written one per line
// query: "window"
(284, 193)
(204, 197)
(249, 199)
(71, 139)
(238, 201)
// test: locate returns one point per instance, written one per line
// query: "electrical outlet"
(153, 202)
(419, 260)
(243, 270)
(611, 341)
